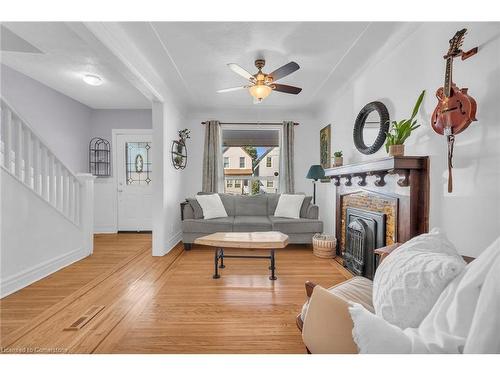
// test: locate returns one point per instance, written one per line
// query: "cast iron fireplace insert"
(365, 232)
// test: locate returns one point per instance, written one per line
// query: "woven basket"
(324, 245)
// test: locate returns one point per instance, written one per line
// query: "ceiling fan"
(261, 84)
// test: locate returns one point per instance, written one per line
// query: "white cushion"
(464, 319)
(289, 206)
(212, 206)
(409, 281)
(373, 335)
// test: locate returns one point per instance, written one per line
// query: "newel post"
(87, 209)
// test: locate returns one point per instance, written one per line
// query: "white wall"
(63, 123)
(306, 142)
(170, 184)
(36, 239)
(469, 215)
(102, 122)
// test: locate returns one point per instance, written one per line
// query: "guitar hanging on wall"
(456, 109)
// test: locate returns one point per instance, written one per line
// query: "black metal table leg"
(221, 256)
(216, 264)
(273, 276)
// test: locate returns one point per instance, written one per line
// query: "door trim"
(114, 142)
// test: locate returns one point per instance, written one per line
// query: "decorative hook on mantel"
(347, 180)
(404, 175)
(362, 179)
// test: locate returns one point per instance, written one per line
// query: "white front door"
(134, 179)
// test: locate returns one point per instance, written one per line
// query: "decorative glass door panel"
(138, 163)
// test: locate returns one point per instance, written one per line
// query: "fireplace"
(365, 232)
(388, 202)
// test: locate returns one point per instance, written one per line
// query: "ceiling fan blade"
(231, 89)
(284, 70)
(286, 89)
(242, 72)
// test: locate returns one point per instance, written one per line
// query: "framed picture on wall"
(325, 150)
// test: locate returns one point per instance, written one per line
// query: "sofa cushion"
(272, 202)
(250, 205)
(195, 206)
(227, 201)
(305, 206)
(358, 289)
(286, 225)
(220, 224)
(251, 224)
(409, 281)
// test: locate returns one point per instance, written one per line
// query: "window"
(138, 168)
(250, 157)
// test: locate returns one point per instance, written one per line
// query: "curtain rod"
(250, 123)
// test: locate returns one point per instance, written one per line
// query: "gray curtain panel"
(211, 157)
(288, 161)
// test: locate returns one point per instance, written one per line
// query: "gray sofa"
(250, 214)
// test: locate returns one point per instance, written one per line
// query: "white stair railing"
(25, 156)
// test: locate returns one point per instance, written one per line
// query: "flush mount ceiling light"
(92, 79)
(261, 84)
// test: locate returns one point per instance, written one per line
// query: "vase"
(180, 145)
(396, 150)
(338, 161)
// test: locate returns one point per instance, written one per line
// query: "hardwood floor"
(166, 304)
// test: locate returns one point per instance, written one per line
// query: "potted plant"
(400, 131)
(338, 159)
(183, 135)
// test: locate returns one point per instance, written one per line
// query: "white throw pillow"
(212, 206)
(464, 319)
(409, 281)
(373, 335)
(289, 206)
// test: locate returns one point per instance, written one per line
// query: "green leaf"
(417, 104)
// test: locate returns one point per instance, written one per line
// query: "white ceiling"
(190, 59)
(65, 58)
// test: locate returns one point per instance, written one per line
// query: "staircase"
(47, 210)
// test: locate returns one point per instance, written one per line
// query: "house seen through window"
(256, 152)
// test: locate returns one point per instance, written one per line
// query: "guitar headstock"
(456, 43)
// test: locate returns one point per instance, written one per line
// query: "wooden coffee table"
(244, 240)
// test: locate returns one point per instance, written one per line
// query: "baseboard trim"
(105, 230)
(171, 243)
(22, 279)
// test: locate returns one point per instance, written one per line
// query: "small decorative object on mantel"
(338, 159)
(179, 150)
(400, 131)
(99, 157)
(324, 245)
(455, 110)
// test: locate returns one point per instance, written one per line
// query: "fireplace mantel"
(401, 165)
(403, 178)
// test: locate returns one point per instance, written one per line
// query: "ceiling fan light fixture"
(260, 92)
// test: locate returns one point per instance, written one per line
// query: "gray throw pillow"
(305, 205)
(198, 211)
